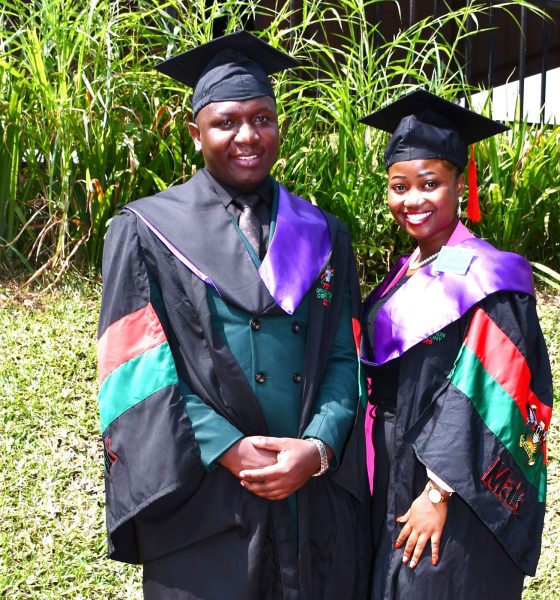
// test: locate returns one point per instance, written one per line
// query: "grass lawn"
(52, 538)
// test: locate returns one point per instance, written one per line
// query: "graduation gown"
(162, 257)
(461, 387)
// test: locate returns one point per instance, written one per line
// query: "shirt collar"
(227, 193)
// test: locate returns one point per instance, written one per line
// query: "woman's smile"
(417, 218)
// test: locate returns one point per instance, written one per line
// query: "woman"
(460, 384)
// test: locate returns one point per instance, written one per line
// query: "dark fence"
(505, 50)
(508, 47)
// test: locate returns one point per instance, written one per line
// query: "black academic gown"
(160, 498)
(426, 419)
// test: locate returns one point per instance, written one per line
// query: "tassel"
(473, 205)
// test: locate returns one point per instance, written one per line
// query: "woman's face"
(423, 197)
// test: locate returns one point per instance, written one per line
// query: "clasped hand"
(271, 467)
(423, 523)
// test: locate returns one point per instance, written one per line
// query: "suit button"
(260, 378)
(255, 324)
(295, 327)
(296, 377)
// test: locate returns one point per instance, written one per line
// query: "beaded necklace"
(415, 266)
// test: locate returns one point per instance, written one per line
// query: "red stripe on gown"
(505, 363)
(127, 338)
(357, 331)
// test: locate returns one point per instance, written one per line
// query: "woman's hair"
(451, 167)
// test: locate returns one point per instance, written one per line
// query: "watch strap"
(322, 448)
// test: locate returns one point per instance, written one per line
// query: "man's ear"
(195, 134)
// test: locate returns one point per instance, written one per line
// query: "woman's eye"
(399, 187)
(431, 184)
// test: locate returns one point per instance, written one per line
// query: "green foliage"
(86, 129)
(52, 539)
(87, 125)
(547, 275)
(521, 192)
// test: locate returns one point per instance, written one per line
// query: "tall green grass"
(522, 186)
(87, 128)
(86, 124)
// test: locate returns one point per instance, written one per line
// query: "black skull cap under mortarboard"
(427, 126)
(232, 67)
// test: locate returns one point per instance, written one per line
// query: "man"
(228, 364)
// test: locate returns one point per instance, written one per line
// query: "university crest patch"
(324, 292)
(533, 441)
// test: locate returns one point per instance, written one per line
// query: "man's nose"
(246, 133)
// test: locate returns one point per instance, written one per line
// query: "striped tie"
(248, 221)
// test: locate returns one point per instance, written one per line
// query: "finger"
(435, 549)
(403, 535)
(276, 495)
(266, 490)
(404, 518)
(260, 488)
(410, 545)
(265, 442)
(259, 481)
(418, 549)
(257, 474)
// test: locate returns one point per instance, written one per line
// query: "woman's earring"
(459, 207)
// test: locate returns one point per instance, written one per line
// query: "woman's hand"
(297, 461)
(423, 522)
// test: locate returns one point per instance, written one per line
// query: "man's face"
(238, 139)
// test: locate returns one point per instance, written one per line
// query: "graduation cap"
(232, 67)
(427, 126)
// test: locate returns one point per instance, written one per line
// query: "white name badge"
(453, 260)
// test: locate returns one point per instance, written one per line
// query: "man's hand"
(423, 522)
(297, 461)
(244, 454)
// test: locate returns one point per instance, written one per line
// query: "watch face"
(434, 496)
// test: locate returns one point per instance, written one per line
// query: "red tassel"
(473, 205)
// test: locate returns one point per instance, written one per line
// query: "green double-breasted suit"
(234, 348)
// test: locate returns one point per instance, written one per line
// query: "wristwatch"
(435, 495)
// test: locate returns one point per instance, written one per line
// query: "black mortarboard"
(232, 67)
(427, 126)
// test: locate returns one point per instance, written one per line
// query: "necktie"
(248, 221)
